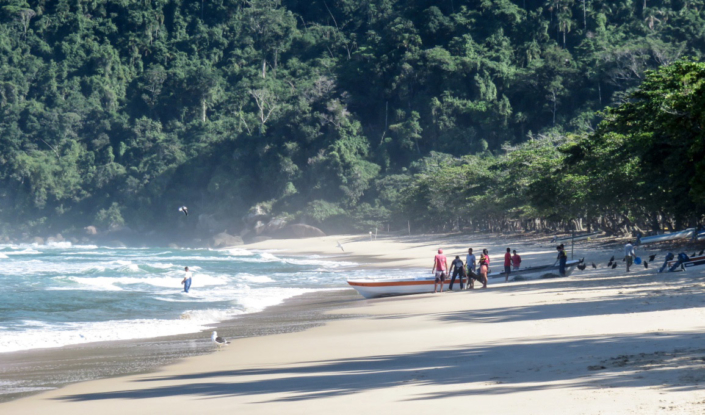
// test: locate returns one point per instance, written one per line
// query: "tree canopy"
(349, 114)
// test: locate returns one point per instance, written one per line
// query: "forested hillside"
(348, 114)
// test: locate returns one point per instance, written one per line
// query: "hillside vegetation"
(350, 114)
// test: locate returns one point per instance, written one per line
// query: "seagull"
(219, 341)
(646, 264)
(614, 265)
(594, 266)
(184, 209)
(340, 246)
(652, 257)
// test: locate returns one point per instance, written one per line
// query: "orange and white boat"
(386, 287)
(371, 288)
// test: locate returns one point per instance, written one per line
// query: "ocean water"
(61, 294)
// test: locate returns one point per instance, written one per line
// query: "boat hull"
(384, 288)
(688, 233)
(569, 266)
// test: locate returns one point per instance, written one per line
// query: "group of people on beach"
(473, 269)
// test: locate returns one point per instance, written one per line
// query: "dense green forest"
(350, 114)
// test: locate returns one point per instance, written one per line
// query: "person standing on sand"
(629, 254)
(186, 282)
(470, 264)
(484, 267)
(516, 260)
(457, 267)
(562, 259)
(507, 264)
(440, 266)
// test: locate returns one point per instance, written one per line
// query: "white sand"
(599, 342)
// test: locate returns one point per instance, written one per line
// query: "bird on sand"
(609, 264)
(652, 257)
(581, 260)
(582, 267)
(340, 246)
(219, 341)
(693, 254)
(614, 265)
(184, 210)
(646, 264)
(612, 259)
(594, 266)
(701, 252)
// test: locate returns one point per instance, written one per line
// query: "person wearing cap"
(440, 266)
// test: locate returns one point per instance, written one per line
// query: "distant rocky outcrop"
(224, 240)
(298, 231)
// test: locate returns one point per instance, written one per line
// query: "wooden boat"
(577, 237)
(388, 287)
(553, 269)
(688, 233)
(423, 285)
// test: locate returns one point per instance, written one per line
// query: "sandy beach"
(599, 342)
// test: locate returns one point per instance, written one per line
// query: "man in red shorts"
(440, 266)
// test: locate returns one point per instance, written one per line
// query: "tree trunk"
(203, 109)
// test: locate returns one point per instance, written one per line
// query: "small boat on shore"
(553, 269)
(388, 287)
(424, 285)
(688, 233)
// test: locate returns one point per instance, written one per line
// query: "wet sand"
(599, 342)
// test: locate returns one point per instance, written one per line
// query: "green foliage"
(380, 112)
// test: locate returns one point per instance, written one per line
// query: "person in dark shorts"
(507, 264)
(458, 270)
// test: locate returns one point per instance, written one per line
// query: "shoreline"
(35, 371)
(586, 325)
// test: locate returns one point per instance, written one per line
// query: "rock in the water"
(299, 231)
(224, 240)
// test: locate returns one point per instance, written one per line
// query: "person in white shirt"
(471, 266)
(187, 280)
(629, 254)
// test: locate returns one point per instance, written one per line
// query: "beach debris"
(596, 367)
(652, 257)
(184, 210)
(594, 266)
(340, 246)
(646, 264)
(614, 265)
(219, 341)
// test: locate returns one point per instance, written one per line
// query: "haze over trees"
(351, 114)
